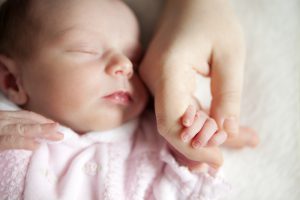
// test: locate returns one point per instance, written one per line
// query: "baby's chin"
(84, 127)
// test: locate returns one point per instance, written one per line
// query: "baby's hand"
(200, 130)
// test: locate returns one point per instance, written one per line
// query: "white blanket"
(270, 104)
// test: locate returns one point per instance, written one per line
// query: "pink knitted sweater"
(129, 162)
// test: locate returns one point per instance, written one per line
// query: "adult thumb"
(226, 89)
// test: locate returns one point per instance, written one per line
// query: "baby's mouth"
(119, 97)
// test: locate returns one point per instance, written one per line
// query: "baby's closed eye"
(85, 50)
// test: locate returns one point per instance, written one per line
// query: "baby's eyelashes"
(85, 51)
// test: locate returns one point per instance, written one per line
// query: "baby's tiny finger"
(218, 138)
(207, 131)
(191, 131)
(188, 116)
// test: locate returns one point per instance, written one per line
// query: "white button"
(91, 168)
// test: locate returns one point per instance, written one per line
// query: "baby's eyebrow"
(75, 34)
(69, 30)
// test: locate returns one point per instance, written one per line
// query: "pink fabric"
(129, 162)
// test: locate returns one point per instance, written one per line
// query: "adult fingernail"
(59, 136)
(54, 136)
(50, 125)
(231, 126)
(202, 168)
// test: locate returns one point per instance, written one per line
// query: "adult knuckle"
(230, 96)
(21, 129)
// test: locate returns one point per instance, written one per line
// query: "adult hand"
(195, 37)
(21, 129)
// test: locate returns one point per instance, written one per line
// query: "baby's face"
(82, 75)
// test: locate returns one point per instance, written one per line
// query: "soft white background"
(270, 102)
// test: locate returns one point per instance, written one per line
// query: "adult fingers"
(226, 89)
(15, 142)
(247, 137)
(210, 155)
(24, 115)
(46, 131)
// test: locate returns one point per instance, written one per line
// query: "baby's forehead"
(67, 14)
(109, 18)
(27, 24)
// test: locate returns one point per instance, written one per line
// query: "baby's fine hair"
(18, 28)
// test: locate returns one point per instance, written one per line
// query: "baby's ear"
(10, 81)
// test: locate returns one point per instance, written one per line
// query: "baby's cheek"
(140, 96)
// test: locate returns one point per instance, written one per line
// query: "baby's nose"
(120, 65)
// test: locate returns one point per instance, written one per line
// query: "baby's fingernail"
(184, 136)
(197, 144)
(231, 126)
(186, 122)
